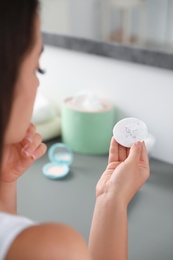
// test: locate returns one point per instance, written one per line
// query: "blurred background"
(135, 90)
(143, 23)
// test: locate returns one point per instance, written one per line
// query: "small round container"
(61, 157)
(87, 132)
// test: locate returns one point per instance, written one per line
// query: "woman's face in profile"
(25, 92)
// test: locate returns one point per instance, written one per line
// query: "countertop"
(71, 200)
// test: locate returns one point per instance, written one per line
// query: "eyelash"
(41, 71)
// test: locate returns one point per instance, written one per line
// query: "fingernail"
(27, 151)
(29, 139)
(33, 157)
(139, 145)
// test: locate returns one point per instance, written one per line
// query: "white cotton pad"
(130, 130)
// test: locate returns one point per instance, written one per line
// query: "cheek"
(30, 90)
(27, 101)
(22, 111)
(36, 81)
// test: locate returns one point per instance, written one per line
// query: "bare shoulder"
(49, 241)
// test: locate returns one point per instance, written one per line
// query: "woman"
(20, 146)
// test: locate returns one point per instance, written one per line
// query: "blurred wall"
(136, 90)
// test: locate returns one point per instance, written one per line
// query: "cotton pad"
(130, 130)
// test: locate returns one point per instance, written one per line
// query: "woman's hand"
(127, 171)
(17, 158)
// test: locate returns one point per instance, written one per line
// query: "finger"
(29, 134)
(29, 149)
(127, 151)
(40, 151)
(122, 153)
(113, 151)
(144, 154)
(135, 152)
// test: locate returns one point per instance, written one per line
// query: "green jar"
(87, 132)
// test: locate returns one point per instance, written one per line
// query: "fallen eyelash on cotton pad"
(130, 130)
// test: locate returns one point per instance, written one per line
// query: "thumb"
(135, 152)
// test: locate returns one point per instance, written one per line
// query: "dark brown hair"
(16, 39)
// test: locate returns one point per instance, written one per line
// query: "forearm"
(109, 231)
(8, 196)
